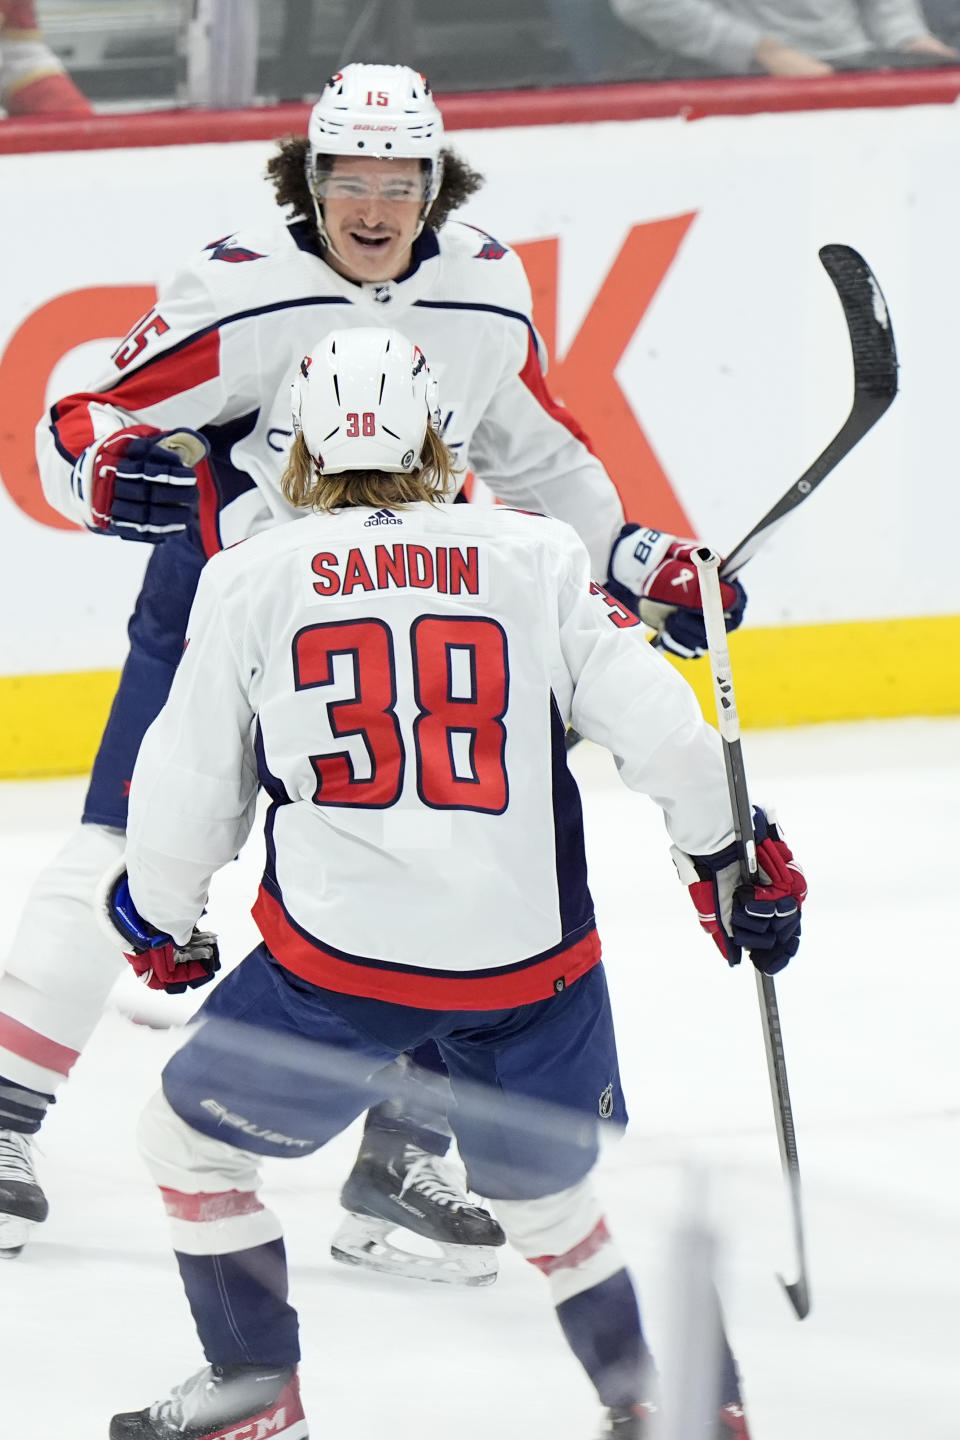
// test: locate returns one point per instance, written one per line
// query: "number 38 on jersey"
(459, 673)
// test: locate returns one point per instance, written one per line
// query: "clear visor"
(357, 185)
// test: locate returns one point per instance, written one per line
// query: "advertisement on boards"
(690, 327)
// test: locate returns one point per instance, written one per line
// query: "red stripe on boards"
(563, 105)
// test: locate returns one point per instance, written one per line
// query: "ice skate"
(396, 1185)
(631, 1422)
(22, 1202)
(219, 1402)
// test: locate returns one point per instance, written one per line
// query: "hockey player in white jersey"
(183, 441)
(398, 674)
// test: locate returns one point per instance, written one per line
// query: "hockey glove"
(655, 575)
(140, 483)
(156, 958)
(761, 918)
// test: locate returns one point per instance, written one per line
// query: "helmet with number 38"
(362, 400)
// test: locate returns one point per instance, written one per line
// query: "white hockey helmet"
(362, 399)
(387, 111)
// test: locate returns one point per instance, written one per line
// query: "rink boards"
(691, 329)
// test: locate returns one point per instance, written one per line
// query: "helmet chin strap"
(325, 240)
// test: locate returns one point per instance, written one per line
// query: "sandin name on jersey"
(444, 568)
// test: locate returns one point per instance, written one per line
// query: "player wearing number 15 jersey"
(371, 189)
(398, 674)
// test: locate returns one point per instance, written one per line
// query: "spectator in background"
(787, 37)
(594, 39)
(32, 80)
(943, 18)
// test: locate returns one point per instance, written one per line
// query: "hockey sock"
(239, 1305)
(602, 1326)
(729, 1379)
(22, 1109)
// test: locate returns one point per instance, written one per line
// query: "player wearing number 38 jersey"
(398, 674)
(410, 694)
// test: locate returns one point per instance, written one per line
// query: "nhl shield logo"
(606, 1103)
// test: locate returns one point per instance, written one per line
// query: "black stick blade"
(874, 356)
(868, 320)
(798, 1295)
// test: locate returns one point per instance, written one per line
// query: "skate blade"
(367, 1244)
(14, 1234)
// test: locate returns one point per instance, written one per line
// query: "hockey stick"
(708, 565)
(874, 387)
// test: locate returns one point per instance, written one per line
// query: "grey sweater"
(724, 33)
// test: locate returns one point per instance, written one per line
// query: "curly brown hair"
(286, 170)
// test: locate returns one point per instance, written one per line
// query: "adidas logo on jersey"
(383, 517)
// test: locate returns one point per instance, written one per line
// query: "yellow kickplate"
(797, 675)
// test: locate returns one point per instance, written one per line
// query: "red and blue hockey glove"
(140, 483)
(156, 958)
(654, 574)
(761, 918)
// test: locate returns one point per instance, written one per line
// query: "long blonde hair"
(304, 486)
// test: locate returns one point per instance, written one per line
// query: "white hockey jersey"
(400, 682)
(218, 351)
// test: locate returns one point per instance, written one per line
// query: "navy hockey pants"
(280, 1066)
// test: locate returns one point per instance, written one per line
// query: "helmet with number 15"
(384, 111)
(362, 400)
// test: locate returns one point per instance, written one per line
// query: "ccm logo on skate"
(239, 1122)
(267, 1425)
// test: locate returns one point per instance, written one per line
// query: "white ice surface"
(92, 1319)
